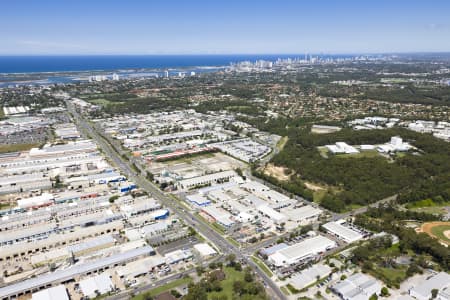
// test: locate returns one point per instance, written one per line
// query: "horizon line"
(217, 54)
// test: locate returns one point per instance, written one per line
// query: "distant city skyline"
(51, 27)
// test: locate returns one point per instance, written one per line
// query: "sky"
(48, 27)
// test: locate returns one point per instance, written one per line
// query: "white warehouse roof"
(302, 250)
(58, 292)
(343, 232)
(357, 287)
(271, 213)
(423, 290)
(101, 284)
(205, 249)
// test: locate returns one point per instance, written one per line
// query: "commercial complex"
(301, 251)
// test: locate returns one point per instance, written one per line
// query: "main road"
(189, 218)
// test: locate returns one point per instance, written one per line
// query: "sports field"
(439, 230)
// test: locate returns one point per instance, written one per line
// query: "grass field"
(323, 151)
(318, 195)
(366, 154)
(292, 289)
(17, 147)
(189, 159)
(218, 228)
(442, 232)
(5, 205)
(163, 288)
(285, 290)
(435, 210)
(428, 206)
(104, 102)
(233, 241)
(390, 275)
(262, 266)
(227, 284)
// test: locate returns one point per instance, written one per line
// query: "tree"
(238, 287)
(192, 231)
(239, 171)
(248, 276)
(384, 291)
(175, 293)
(199, 270)
(216, 287)
(306, 229)
(237, 266)
(231, 258)
(150, 176)
(212, 266)
(434, 293)
(196, 292)
(113, 198)
(373, 297)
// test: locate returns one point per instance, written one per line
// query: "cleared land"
(429, 206)
(17, 147)
(277, 172)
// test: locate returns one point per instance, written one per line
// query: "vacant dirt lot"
(277, 172)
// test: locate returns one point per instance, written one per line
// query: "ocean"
(40, 64)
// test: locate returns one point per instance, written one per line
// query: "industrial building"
(24, 182)
(61, 276)
(395, 145)
(301, 251)
(440, 282)
(96, 285)
(206, 179)
(139, 267)
(324, 129)
(205, 250)
(303, 215)
(269, 212)
(357, 287)
(342, 232)
(244, 149)
(341, 147)
(198, 200)
(309, 276)
(58, 292)
(12, 249)
(219, 215)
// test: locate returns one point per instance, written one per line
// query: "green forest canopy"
(366, 180)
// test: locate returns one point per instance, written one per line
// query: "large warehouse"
(342, 232)
(47, 280)
(301, 251)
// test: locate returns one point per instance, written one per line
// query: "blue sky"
(222, 27)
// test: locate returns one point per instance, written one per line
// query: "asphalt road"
(190, 219)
